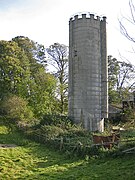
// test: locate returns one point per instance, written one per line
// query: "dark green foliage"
(23, 73)
(55, 119)
(128, 115)
(59, 132)
(124, 117)
(16, 112)
(120, 79)
(14, 69)
(50, 132)
(71, 139)
(62, 124)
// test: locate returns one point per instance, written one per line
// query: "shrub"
(51, 132)
(15, 109)
(55, 119)
(128, 114)
(62, 123)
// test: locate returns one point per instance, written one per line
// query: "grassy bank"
(30, 160)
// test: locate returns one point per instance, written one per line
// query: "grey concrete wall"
(104, 70)
(88, 101)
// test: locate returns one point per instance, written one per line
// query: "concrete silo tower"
(88, 92)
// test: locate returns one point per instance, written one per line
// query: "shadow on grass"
(13, 138)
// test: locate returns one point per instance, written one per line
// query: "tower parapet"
(87, 16)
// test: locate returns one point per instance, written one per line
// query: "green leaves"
(121, 79)
(58, 58)
(23, 73)
(17, 109)
(12, 66)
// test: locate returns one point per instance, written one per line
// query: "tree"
(113, 69)
(58, 58)
(34, 51)
(14, 69)
(42, 84)
(125, 21)
(23, 73)
(121, 79)
(42, 93)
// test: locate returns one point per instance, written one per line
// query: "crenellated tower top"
(87, 15)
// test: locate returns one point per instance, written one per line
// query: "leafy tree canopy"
(121, 79)
(23, 73)
(58, 58)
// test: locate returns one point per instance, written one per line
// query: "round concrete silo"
(88, 94)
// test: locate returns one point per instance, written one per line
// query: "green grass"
(30, 160)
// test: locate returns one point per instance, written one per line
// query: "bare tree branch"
(132, 10)
(131, 20)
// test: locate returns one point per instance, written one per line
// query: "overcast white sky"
(47, 21)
